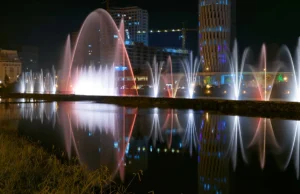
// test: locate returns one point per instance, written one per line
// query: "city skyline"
(47, 25)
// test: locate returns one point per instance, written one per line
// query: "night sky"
(46, 23)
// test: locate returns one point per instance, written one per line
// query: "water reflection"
(130, 139)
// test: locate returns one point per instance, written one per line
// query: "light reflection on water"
(130, 139)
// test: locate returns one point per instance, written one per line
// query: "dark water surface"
(179, 151)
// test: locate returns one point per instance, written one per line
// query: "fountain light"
(191, 68)
(155, 72)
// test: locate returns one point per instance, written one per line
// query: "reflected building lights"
(211, 149)
(111, 133)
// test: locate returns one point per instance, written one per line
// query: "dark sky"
(47, 23)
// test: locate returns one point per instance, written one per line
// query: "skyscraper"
(215, 33)
(136, 23)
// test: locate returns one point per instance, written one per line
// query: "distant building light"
(120, 68)
(172, 50)
(116, 36)
(90, 45)
(128, 42)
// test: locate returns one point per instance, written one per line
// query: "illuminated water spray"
(263, 133)
(295, 150)
(191, 69)
(155, 133)
(236, 140)
(190, 138)
(155, 72)
(236, 72)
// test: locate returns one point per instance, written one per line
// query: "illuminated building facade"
(10, 66)
(139, 54)
(213, 172)
(136, 23)
(215, 33)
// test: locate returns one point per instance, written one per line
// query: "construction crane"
(183, 31)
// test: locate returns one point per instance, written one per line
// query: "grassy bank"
(25, 167)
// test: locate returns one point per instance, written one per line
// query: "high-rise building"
(136, 23)
(10, 66)
(215, 33)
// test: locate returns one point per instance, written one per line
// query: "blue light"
(180, 145)
(116, 36)
(127, 148)
(90, 46)
(90, 134)
(116, 144)
(128, 42)
(120, 68)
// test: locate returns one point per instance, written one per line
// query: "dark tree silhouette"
(6, 79)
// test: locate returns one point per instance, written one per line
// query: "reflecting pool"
(179, 151)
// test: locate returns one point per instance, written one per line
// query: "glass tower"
(214, 34)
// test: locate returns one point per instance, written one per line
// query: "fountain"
(236, 72)
(99, 50)
(191, 69)
(190, 138)
(96, 82)
(26, 84)
(155, 72)
(264, 81)
(155, 133)
(38, 82)
(285, 55)
(235, 141)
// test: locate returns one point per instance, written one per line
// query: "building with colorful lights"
(213, 171)
(215, 33)
(135, 20)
